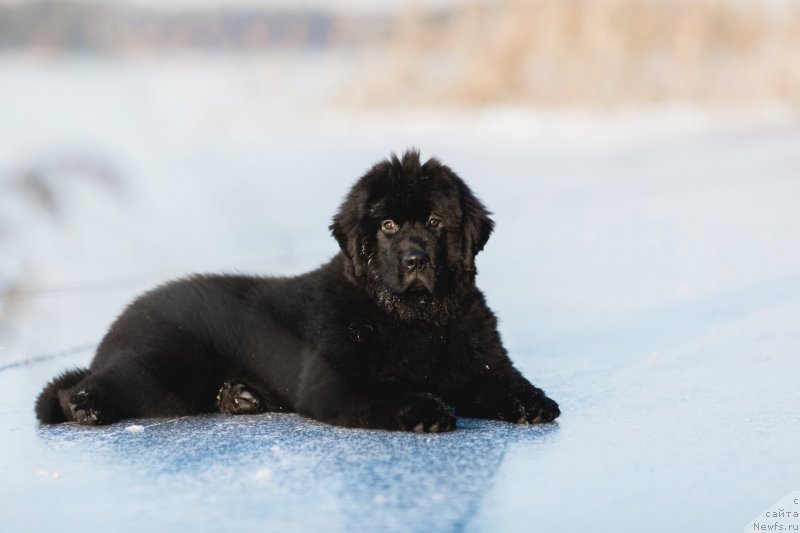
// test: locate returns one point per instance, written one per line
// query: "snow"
(645, 270)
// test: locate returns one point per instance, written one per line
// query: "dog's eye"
(389, 226)
(434, 222)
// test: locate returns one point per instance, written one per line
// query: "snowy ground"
(646, 270)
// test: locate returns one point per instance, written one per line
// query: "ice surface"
(645, 270)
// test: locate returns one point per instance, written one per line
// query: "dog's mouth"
(416, 285)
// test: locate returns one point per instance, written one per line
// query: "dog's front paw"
(425, 413)
(531, 409)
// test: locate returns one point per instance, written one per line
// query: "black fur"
(392, 333)
(48, 408)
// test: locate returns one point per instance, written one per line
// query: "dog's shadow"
(286, 470)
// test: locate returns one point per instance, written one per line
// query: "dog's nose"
(415, 259)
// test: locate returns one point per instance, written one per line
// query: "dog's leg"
(126, 390)
(368, 402)
(505, 395)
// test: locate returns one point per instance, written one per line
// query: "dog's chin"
(415, 300)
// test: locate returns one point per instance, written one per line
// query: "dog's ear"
(346, 229)
(477, 226)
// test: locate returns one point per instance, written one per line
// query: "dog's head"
(410, 233)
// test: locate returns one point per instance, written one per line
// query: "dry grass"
(595, 52)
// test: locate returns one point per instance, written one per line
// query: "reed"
(596, 52)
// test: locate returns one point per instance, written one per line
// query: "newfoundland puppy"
(392, 333)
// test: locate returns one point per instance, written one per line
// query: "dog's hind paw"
(86, 409)
(236, 398)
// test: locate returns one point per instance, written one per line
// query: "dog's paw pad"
(85, 409)
(236, 398)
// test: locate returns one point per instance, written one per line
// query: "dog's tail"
(48, 406)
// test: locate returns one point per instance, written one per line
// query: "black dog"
(392, 333)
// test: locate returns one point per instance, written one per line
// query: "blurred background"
(641, 157)
(144, 139)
